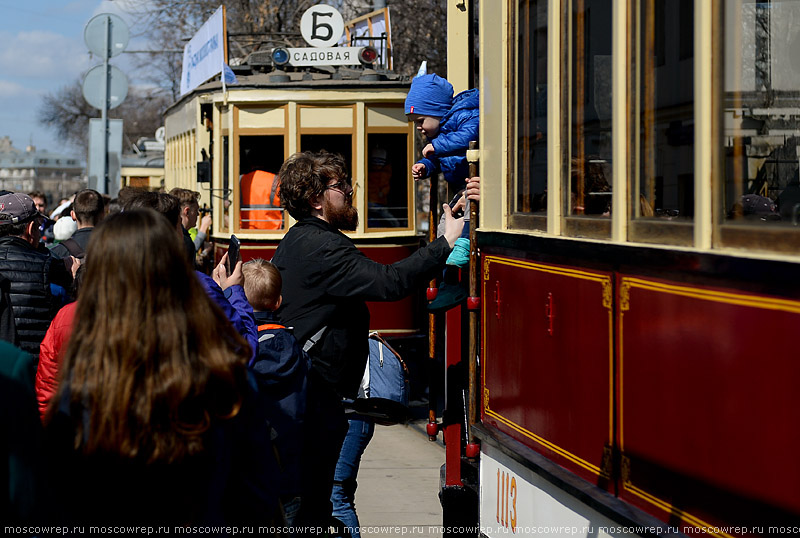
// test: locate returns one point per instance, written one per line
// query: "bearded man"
(326, 283)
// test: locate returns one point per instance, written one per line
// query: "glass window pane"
(531, 188)
(387, 181)
(333, 143)
(589, 185)
(761, 115)
(664, 105)
(260, 158)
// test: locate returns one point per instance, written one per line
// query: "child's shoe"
(460, 253)
(448, 296)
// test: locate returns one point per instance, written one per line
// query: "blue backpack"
(383, 394)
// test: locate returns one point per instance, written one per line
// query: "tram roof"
(338, 79)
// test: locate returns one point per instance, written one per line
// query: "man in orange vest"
(261, 204)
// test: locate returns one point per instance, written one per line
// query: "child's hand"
(418, 171)
(473, 191)
(428, 150)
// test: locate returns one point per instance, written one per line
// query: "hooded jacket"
(233, 303)
(457, 128)
(281, 371)
(326, 283)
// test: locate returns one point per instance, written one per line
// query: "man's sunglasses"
(342, 186)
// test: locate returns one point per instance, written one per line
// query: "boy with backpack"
(281, 371)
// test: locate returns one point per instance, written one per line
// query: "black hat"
(17, 207)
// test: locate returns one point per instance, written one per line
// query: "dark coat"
(81, 237)
(457, 128)
(326, 283)
(20, 444)
(30, 273)
(231, 481)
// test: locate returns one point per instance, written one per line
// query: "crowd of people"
(154, 393)
(137, 389)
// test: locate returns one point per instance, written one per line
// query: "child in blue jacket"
(281, 371)
(449, 124)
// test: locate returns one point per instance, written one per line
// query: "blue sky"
(41, 50)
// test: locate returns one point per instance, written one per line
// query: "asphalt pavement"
(398, 483)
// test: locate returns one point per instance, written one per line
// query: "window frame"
(408, 131)
(233, 181)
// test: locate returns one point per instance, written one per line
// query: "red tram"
(634, 360)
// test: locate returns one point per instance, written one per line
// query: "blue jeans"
(343, 496)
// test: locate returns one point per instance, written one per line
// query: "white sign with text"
(204, 55)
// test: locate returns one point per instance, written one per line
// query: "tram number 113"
(507, 500)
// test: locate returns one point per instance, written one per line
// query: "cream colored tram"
(216, 138)
(639, 263)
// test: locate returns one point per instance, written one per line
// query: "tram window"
(588, 185)
(531, 186)
(663, 123)
(260, 159)
(761, 119)
(387, 181)
(341, 144)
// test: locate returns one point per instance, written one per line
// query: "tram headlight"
(280, 56)
(367, 55)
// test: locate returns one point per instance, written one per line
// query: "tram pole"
(473, 302)
(431, 294)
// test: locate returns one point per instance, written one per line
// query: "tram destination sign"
(310, 56)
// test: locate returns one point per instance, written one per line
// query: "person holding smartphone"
(226, 288)
(326, 283)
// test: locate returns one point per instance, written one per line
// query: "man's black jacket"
(326, 283)
(80, 236)
(30, 273)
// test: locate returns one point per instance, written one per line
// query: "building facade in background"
(57, 175)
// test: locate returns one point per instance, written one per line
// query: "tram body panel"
(706, 400)
(687, 391)
(548, 378)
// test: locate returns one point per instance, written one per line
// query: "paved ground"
(398, 484)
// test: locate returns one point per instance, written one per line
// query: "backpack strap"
(311, 342)
(74, 248)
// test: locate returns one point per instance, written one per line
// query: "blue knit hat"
(430, 95)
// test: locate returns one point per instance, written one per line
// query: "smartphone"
(233, 254)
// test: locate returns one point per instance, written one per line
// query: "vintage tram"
(228, 142)
(637, 286)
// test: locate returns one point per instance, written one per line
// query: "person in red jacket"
(54, 343)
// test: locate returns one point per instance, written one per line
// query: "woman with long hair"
(154, 420)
